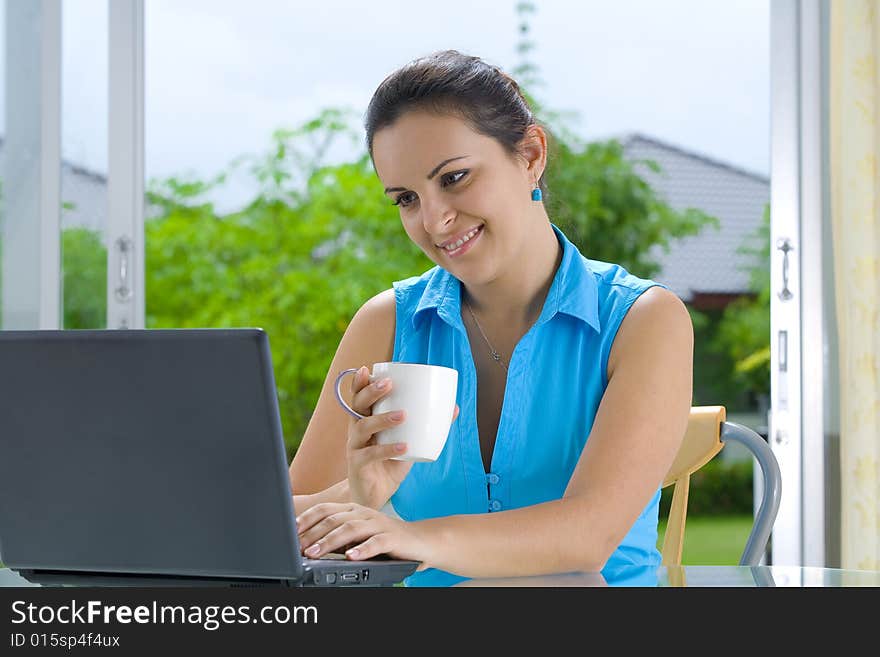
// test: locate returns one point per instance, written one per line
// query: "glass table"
(698, 576)
(634, 576)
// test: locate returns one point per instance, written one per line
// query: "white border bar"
(785, 316)
(813, 301)
(125, 175)
(32, 167)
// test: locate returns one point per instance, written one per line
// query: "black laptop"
(152, 456)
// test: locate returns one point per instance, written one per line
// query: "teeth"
(455, 245)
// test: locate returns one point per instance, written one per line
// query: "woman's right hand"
(372, 476)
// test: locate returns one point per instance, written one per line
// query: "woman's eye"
(454, 177)
(404, 199)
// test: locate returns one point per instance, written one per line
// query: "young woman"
(575, 377)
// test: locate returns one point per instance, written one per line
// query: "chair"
(706, 434)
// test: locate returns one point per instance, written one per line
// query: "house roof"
(708, 263)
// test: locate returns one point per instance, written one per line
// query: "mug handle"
(348, 409)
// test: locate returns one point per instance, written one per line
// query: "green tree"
(744, 330)
(84, 276)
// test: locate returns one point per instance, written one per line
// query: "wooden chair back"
(702, 441)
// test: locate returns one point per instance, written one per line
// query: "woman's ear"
(533, 149)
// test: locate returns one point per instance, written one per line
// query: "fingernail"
(400, 447)
(382, 384)
(397, 416)
(314, 549)
(352, 553)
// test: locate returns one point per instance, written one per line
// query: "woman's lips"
(464, 248)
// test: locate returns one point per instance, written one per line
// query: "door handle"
(123, 291)
(785, 246)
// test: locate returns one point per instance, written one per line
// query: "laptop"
(152, 456)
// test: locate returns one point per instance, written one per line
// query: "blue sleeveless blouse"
(555, 381)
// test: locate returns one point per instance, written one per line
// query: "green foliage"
(84, 264)
(714, 382)
(744, 330)
(718, 488)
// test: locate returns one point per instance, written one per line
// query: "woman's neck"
(517, 296)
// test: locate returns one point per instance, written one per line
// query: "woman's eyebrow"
(430, 175)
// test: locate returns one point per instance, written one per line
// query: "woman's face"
(462, 198)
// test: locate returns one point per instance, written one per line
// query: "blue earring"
(536, 194)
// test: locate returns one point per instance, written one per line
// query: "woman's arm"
(636, 434)
(338, 492)
(320, 461)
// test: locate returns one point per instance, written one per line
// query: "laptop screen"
(144, 451)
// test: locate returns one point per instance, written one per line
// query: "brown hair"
(449, 82)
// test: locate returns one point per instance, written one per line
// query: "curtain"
(854, 150)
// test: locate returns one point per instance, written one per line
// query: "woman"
(575, 377)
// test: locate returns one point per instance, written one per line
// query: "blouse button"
(492, 478)
(494, 505)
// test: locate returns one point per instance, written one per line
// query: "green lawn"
(712, 540)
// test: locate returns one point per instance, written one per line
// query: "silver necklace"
(496, 356)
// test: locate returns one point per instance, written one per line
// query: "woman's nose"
(437, 215)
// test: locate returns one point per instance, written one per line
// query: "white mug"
(426, 393)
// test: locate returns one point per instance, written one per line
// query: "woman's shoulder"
(624, 298)
(635, 312)
(614, 279)
(617, 289)
(369, 336)
(378, 309)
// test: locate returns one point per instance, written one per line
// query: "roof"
(707, 263)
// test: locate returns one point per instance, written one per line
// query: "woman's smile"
(456, 247)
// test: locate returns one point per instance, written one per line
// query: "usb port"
(365, 574)
(349, 577)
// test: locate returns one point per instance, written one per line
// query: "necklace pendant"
(496, 355)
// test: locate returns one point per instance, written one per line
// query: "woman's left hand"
(361, 532)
